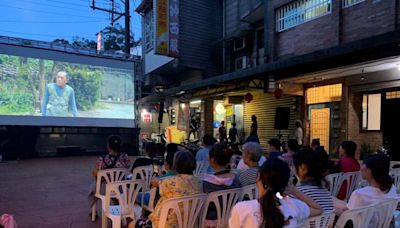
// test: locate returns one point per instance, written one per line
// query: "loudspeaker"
(161, 112)
(282, 116)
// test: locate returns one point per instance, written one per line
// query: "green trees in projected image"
(86, 84)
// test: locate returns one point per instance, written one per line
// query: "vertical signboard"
(167, 28)
(173, 28)
(162, 40)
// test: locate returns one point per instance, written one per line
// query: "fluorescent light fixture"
(195, 102)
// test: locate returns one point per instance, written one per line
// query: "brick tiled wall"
(373, 138)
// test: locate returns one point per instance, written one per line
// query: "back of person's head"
(171, 147)
(323, 158)
(315, 167)
(253, 118)
(221, 154)
(253, 138)
(208, 140)
(349, 148)
(298, 123)
(274, 176)
(379, 164)
(275, 143)
(169, 158)
(222, 123)
(315, 143)
(253, 151)
(114, 142)
(293, 145)
(151, 149)
(233, 124)
(184, 162)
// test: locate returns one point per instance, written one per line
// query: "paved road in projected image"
(109, 110)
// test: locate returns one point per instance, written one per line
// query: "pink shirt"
(347, 164)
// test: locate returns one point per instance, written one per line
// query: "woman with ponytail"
(309, 170)
(276, 206)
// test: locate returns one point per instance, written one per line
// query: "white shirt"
(299, 135)
(247, 214)
(243, 166)
(369, 195)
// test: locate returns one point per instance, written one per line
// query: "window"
(393, 95)
(347, 3)
(324, 94)
(371, 112)
(301, 11)
(149, 31)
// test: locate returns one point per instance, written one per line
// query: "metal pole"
(127, 28)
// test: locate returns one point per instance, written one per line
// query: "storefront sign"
(173, 28)
(162, 39)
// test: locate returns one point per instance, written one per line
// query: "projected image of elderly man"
(59, 98)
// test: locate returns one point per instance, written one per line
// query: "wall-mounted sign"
(167, 28)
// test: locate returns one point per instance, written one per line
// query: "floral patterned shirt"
(173, 187)
(107, 161)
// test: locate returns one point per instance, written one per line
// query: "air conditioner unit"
(241, 62)
(239, 44)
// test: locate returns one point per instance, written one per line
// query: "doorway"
(391, 127)
(320, 126)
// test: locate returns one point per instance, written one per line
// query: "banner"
(162, 40)
(167, 28)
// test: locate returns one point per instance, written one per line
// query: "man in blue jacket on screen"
(59, 98)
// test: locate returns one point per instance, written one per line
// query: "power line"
(48, 12)
(51, 22)
(45, 35)
(79, 9)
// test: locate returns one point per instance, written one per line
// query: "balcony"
(251, 11)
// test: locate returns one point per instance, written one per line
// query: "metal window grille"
(324, 94)
(393, 95)
(301, 11)
(348, 3)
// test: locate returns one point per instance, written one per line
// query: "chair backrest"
(201, 167)
(224, 201)
(333, 180)
(186, 209)
(144, 173)
(109, 176)
(249, 192)
(360, 217)
(321, 221)
(384, 211)
(395, 173)
(351, 179)
(125, 192)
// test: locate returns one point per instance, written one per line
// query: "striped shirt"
(248, 176)
(320, 195)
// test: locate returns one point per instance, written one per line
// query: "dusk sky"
(51, 19)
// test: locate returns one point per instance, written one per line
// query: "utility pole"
(116, 15)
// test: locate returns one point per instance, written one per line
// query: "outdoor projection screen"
(104, 96)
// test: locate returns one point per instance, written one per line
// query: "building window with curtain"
(371, 112)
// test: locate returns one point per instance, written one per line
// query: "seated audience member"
(328, 165)
(291, 147)
(113, 159)
(309, 170)
(251, 156)
(347, 163)
(274, 208)
(183, 184)
(241, 164)
(274, 148)
(150, 151)
(375, 171)
(315, 144)
(202, 154)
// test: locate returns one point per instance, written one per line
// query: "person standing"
(222, 132)
(59, 98)
(233, 133)
(299, 132)
(253, 129)
(193, 128)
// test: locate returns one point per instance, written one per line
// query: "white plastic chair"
(360, 217)
(321, 221)
(125, 192)
(395, 174)
(249, 192)
(144, 173)
(224, 201)
(151, 205)
(351, 179)
(107, 176)
(384, 212)
(201, 168)
(186, 209)
(333, 180)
